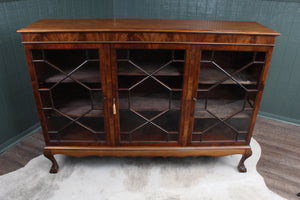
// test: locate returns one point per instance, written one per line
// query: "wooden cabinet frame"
(45, 35)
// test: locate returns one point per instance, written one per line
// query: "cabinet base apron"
(50, 151)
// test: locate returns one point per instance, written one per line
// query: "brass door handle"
(114, 106)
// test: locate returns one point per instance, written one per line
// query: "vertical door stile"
(37, 96)
(192, 90)
(185, 105)
(105, 68)
(113, 103)
(260, 92)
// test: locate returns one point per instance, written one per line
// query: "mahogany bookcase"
(147, 87)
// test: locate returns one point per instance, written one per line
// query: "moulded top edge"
(148, 25)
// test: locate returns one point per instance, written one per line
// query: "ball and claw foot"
(54, 167)
(241, 167)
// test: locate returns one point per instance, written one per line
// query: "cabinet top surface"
(148, 25)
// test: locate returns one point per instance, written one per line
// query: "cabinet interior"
(227, 89)
(150, 91)
(70, 89)
(150, 85)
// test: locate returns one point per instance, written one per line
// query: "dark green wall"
(281, 99)
(17, 107)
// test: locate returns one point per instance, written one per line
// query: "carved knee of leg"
(241, 166)
(54, 167)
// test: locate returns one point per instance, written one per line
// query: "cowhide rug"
(203, 178)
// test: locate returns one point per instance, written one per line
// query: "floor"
(279, 163)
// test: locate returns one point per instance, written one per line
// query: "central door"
(148, 93)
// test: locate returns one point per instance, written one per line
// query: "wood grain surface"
(148, 25)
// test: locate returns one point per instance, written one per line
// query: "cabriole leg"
(241, 167)
(54, 167)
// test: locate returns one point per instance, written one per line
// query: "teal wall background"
(18, 116)
(281, 98)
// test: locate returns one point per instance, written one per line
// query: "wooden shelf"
(169, 121)
(207, 76)
(157, 103)
(91, 75)
(56, 123)
(212, 76)
(220, 132)
(78, 107)
(127, 69)
(139, 103)
(76, 132)
(149, 103)
(221, 108)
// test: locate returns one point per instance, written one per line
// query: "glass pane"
(150, 85)
(93, 120)
(71, 99)
(231, 67)
(149, 95)
(54, 66)
(149, 133)
(228, 84)
(168, 120)
(71, 93)
(76, 132)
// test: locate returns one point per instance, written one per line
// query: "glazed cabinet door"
(68, 87)
(227, 92)
(149, 93)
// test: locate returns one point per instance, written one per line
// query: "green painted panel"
(282, 93)
(17, 106)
